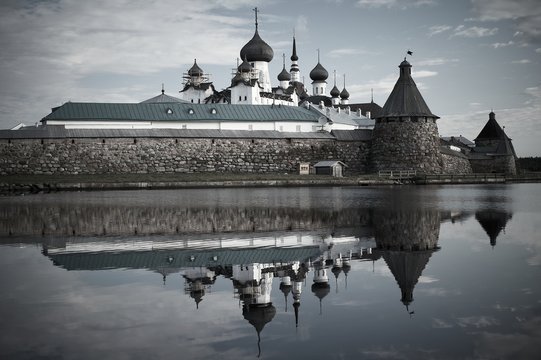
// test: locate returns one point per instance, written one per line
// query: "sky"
(469, 56)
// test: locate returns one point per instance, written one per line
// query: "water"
(404, 273)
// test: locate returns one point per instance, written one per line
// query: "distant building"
(332, 167)
(493, 151)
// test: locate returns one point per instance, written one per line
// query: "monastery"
(252, 126)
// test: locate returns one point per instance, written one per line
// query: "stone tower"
(405, 135)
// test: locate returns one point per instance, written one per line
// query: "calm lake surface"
(430, 272)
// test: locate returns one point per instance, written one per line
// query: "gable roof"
(405, 99)
(162, 98)
(178, 112)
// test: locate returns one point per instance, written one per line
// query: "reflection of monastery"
(277, 128)
(254, 261)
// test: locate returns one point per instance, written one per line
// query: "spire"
(295, 76)
(163, 90)
(294, 56)
(255, 10)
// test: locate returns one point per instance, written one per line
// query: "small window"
(190, 111)
(199, 101)
(316, 90)
(250, 127)
(192, 101)
(184, 126)
(240, 98)
(169, 111)
(213, 111)
(298, 128)
(245, 97)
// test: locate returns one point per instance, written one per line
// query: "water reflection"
(274, 259)
(493, 222)
(252, 260)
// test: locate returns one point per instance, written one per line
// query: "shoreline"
(48, 183)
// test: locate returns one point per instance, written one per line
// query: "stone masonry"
(173, 155)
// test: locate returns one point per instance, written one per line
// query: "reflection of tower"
(285, 287)
(407, 238)
(198, 280)
(258, 316)
(254, 284)
(298, 277)
(336, 270)
(321, 286)
(493, 222)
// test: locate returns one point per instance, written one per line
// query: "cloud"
(502, 45)
(473, 31)
(336, 53)
(521, 61)
(438, 29)
(427, 279)
(525, 15)
(301, 25)
(401, 4)
(436, 62)
(538, 50)
(477, 321)
(423, 74)
(441, 324)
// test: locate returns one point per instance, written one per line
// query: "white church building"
(249, 103)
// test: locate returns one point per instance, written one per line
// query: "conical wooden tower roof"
(405, 99)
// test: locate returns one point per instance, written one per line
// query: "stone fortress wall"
(173, 155)
(71, 156)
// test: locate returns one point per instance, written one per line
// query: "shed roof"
(352, 135)
(74, 111)
(329, 163)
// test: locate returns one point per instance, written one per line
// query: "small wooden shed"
(330, 167)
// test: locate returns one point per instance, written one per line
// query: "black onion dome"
(335, 92)
(319, 73)
(257, 50)
(284, 75)
(344, 94)
(195, 70)
(245, 67)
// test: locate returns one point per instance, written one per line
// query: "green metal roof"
(179, 112)
(179, 258)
